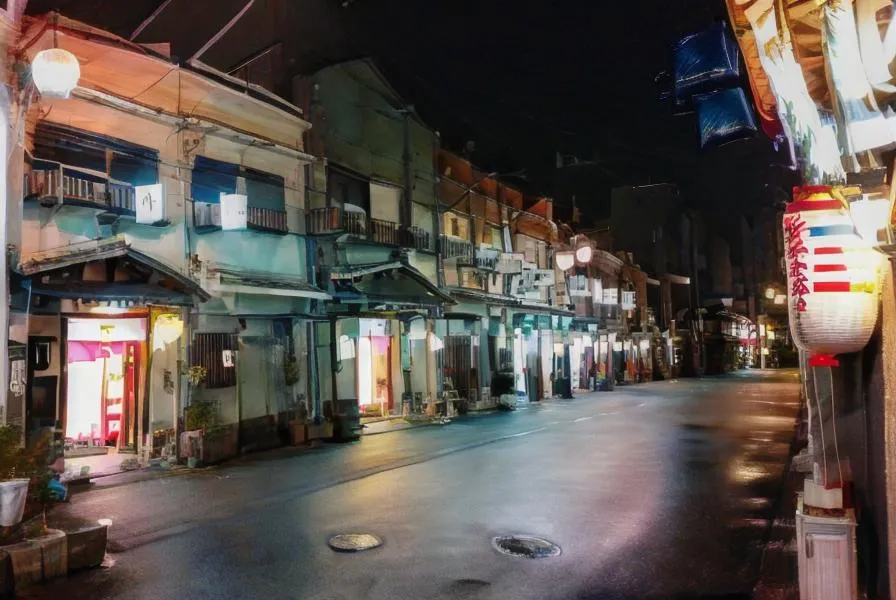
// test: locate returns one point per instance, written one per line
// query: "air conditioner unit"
(827, 555)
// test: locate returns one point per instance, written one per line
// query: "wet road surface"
(662, 490)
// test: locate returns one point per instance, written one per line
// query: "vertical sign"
(234, 212)
(150, 203)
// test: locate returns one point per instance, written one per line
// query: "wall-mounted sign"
(234, 212)
(611, 296)
(150, 203)
(628, 300)
(227, 358)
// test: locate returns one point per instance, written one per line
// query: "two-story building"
(374, 225)
(162, 258)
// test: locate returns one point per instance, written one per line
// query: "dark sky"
(524, 80)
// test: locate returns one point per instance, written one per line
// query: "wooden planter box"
(320, 432)
(298, 433)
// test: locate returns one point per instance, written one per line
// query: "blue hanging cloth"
(724, 117)
(705, 61)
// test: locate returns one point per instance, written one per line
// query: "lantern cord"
(834, 423)
(824, 454)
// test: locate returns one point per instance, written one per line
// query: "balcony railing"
(333, 219)
(384, 232)
(207, 215)
(81, 189)
(417, 238)
(487, 259)
(456, 248)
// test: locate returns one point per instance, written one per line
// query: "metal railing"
(487, 260)
(456, 248)
(85, 191)
(333, 219)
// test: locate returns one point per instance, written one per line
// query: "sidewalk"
(778, 576)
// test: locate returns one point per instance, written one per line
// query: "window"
(208, 351)
(266, 201)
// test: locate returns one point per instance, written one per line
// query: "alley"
(659, 490)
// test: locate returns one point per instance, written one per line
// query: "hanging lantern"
(832, 276)
(584, 254)
(55, 72)
(565, 260)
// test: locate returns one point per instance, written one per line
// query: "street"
(661, 490)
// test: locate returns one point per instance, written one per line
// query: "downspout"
(437, 216)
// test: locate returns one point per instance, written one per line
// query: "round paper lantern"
(565, 260)
(55, 72)
(832, 276)
(584, 254)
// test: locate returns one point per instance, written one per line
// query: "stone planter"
(298, 433)
(13, 494)
(54, 553)
(87, 547)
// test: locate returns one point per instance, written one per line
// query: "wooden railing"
(81, 190)
(207, 215)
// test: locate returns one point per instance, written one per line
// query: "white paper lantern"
(55, 72)
(565, 260)
(832, 276)
(584, 254)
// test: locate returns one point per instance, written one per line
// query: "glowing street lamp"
(770, 293)
(584, 254)
(55, 72)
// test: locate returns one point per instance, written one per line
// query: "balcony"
(417, 238)
(333, 219)
(207, 216)
(453, 248)
(487, 259)
(67, 185)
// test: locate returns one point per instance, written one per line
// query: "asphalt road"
(661, 490)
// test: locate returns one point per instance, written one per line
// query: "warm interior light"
(55, 72)
(565, 260)
(167, 329)
(781, 299)
(870, 215)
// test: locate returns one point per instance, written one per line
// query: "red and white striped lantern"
(832, 275)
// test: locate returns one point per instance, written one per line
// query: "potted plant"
(14, 477)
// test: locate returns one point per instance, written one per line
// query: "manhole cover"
(526, 546)
(354, 542)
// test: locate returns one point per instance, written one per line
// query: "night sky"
(523, 80)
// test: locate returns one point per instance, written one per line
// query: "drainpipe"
(437, 215)
(4, 261)
(407, 159)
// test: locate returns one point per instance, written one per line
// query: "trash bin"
(346, 420)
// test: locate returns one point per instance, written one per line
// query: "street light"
(770, 293)
(55, 72)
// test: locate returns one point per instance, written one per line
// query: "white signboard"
(628, 301)
(227, 358)
(150, 202)
(234, 211)
(611, 296)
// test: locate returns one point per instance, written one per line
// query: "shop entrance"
(102, 384)
(375, 376)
